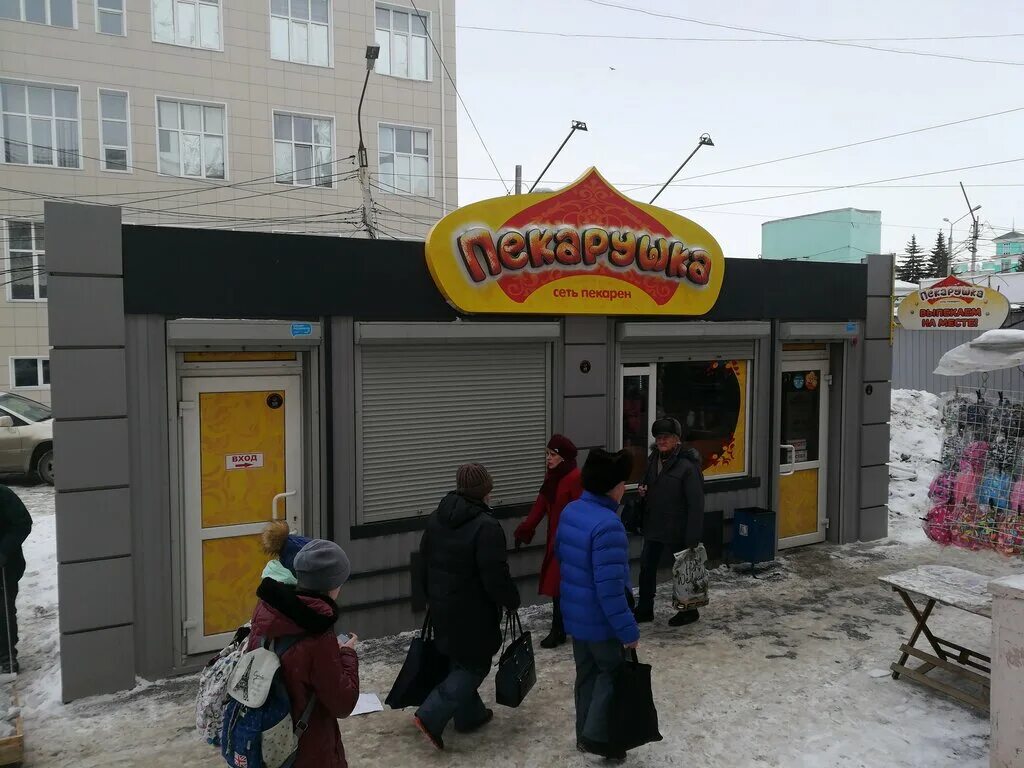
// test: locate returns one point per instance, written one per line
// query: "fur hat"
(603, 470)
(473, 481)
(667, 426)
(563, 446)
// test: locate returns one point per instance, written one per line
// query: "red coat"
(569, 489)
(314, 664)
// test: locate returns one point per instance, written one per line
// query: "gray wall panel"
(99, 382)
(586, 420)
(595, 380)
(874, 444)
(68, 251)
(876, 405)
(150, 496)
(877, 360)
(95, 594)
(86, 311)
(874, 523)
(98, 454)
(874, 488)
(878, 320)
(880, 274)
(97, 662)
(93, 525)
(586, 330)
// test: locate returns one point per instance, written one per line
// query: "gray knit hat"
(322, 566)
(473, 481)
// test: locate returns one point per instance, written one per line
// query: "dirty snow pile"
(915, 438)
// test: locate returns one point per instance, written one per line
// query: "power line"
(660, 38)
(462, 101)
(825, 41)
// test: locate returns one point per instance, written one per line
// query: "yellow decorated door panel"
(242, 466)
(798, 503)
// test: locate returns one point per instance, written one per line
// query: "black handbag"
(517, 670)
(633, 514)
(632, 716)
(424, 669)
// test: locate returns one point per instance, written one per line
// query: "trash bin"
(753, 535)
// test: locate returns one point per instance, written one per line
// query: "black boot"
(556, 636)
(683, 618)
(643, 615)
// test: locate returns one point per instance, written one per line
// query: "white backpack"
(213, 687)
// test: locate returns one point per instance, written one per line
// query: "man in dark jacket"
(468, 587)
(15, 525)
(319, 663)
(673, 515)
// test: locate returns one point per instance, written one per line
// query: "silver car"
(26, 437)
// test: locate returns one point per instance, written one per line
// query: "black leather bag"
(517, 670)
(424, 669)
(632, 717)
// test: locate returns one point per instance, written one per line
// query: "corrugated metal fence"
(916, 353)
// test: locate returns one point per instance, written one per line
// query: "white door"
(803, 452)
(637, 397)
(242, 466)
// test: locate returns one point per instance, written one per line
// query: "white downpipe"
(444, 141)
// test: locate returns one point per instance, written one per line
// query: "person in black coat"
(468, 586)
(15, 526)
(673, 511)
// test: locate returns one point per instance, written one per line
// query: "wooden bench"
(956, 588)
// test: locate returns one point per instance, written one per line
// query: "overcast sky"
(646, 101)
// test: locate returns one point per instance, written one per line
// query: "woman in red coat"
(561, 485)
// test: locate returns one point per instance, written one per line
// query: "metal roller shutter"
(424, 409)
(673, 350)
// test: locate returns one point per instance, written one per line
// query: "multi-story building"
(843, 235)
(1009, 244)
(215, 113)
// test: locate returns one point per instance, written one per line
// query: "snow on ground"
(788, 669)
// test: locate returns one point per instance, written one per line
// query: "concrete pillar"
(1007, 743)
(586, 374)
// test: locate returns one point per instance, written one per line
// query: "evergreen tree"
(938, 259)
(912, 269)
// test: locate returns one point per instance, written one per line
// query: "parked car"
(26, 437)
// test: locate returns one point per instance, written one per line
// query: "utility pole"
(519, 179)
(576, 126)
(974, 230)
(703, 141)
(372, 52)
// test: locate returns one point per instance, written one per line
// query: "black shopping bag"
(424, 669)
(632, 717)
(517, 671)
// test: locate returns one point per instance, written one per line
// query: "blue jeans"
(596, 664)
(456, 697)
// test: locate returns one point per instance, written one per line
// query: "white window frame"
(174, 25)
(39, 371)
(430, 48)
(386, 188)
(124, 21)
(23, 20)
(128, 126)
(53, 127)
(334, 148)
(330, 35)
(35, 252)
(197, 102)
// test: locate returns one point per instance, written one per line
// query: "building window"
(56, 13)
(30, 372)
(709, 398)
(40, 125)
(404, 160)
(303, 150)
(192, 23)
(403, 40)
(27, 263)
(191, 139)
(115, 130)
(300, 31)
(110, 17)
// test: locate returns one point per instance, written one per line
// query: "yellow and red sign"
(583, 250)
(952, 304)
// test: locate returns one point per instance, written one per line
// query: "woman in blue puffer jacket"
(593, 551)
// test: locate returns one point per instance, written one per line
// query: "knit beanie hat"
(563, 446)
(667, 426)
(603, 470)
(473, 481)
(321, 566)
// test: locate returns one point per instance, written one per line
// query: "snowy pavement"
(790, 669)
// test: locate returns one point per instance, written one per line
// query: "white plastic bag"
(690, 579)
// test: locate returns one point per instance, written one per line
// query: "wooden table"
(957, 588)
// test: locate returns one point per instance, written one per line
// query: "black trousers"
(650, 557)
(9, 617)
(557, 625)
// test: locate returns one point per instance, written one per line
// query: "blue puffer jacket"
(594, 554)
